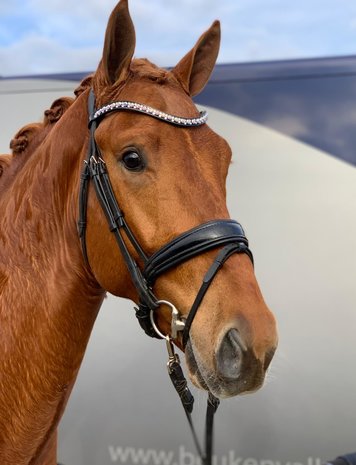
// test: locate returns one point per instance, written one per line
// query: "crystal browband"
(138, 107)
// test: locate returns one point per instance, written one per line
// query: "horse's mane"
(22, 145)
(29, 137)
(5, 161)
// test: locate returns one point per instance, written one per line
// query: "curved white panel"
(298, 206)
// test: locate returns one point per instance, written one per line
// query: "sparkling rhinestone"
(203, 116)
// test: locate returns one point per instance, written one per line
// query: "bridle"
(225, 235)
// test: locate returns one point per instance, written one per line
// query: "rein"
(227, 235)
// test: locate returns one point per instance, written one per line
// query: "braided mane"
(29, 137)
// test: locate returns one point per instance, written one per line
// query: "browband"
(140, 108)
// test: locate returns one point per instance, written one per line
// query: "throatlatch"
(226, 235)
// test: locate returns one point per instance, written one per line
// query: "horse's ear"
(119, 44)
(194, 69)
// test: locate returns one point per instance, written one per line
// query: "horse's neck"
(48, 303)
(38, 234)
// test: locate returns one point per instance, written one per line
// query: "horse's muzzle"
(236, 369)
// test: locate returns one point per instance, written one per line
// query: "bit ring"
(177, 324)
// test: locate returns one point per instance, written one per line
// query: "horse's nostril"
(229, 355)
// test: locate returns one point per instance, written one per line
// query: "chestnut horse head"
(168, 180)
(153, 227)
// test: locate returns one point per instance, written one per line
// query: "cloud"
(62, 35)
(39, 55)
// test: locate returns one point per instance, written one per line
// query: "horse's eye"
(133, 161)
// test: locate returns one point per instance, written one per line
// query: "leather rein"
(227, 235)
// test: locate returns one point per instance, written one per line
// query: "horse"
(151, 226)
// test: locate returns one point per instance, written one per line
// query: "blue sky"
(49, 36)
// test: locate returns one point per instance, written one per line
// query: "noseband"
(226, 235)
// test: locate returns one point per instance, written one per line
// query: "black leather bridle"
(226, 235)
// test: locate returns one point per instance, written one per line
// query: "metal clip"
(93, 166)
(93, 160)
(172, 356)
